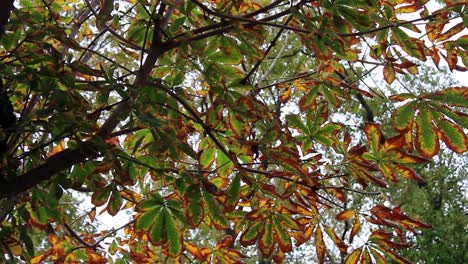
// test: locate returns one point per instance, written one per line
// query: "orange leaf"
(319, 245)
(113, 141)
(57, 247)
(408, 173)
(451, 57)
(380, 234)
(435, 56)
(225, 242)
(389, 73)
(195, 251)
(386, 213)
(394, 142)
(286, 94)
(56, 149)
(345, 215)
(451, 32)
(40, 258)
(302, 209)
(92, 214)
(453, 136)
(402, 157)
(336, 239)
(355, 229)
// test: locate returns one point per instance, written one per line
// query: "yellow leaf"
(56, 149)
(299, 84)
(14, 245)
(40, 258)
(286, 94)
(320, 245)
(346, 214)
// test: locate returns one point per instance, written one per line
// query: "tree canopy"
(229, 116)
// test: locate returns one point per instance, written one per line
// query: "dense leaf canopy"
(219, 115)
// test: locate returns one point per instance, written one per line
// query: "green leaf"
(234, 193)
(353, 16)
(403, 116)
(330, 95)
(308, 100)
(224, 165)
(207, 157)
(286, 220)
(78, 174)
(326, 133)
(250, 236)
(173, 234)
(173, 204)
(238, 126)
(214, 211)
(427, 141)
(148, 205)
(453, 135)
(176, 25)
(266, 242)
(459, 117)
(378, 257)
(284, 240)
(414, 47)
(145, 220)
(115, 203)
(227, 52)
(100, 197)
(295, 121)
(157, 232)
(194, 213)
(113, 247)
(26, 239)
(374, 136)
(157, 198)
(353, 258)
(455, 96)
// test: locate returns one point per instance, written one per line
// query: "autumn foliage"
(220, 115)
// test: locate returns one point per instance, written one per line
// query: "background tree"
(441, 202)
(219, 115)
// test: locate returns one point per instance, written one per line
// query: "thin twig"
(272, 43)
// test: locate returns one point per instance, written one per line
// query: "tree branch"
(59, 162)
(5, 10)
(272, 44)
(86, 150)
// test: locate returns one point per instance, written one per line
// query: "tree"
(217, 115)
(442, 202)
